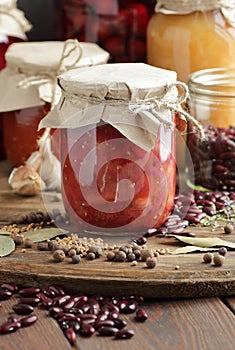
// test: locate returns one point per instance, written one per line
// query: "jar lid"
(12, 20)
(32, 69)
(34, 58)
(135, 98)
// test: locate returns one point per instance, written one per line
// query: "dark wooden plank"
(183, 324)
(230, 302)
(45, 334)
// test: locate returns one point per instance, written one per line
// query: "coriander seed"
(151, 262)
(222, 251)
(218, 260)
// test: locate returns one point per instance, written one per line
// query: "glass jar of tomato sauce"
(118, 26)
(212, 102)
(13, 28)
(31, 77)
(187, 36)
(117, 124)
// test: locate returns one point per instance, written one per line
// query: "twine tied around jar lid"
(49, 77)
(166, 100)
(227, 7)
(9, 9)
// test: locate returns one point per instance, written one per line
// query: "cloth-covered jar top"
(12, 20)
(135, 98)
(32, 69)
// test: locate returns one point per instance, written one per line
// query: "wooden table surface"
(190, 323)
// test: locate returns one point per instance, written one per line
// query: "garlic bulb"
(26, 181)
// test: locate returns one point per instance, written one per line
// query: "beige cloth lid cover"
(135, 98)
(178, 7)
(12, 20)
(30, 76)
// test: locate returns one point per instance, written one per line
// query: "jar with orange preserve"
(13, 28)
(187, 36)
(212, 102)
(28, 89)
(118, 124)
(118, 26)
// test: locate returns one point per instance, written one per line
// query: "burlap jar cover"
(12, 21)
(135, 98)
(169, 7)
(32, 68)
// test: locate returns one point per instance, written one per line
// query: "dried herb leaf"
(44, 234)
(192, 249)
(7, 245)
(5, 233)
(205, 242)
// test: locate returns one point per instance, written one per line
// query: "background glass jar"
(118, 26)
(212, 102)
(188, 42)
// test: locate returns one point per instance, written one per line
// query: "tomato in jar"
(111, 183)
(21, 132)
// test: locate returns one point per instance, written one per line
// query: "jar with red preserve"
(212, 102)
(28, 87)
(118, 26)
(13, 28)
(118, 124)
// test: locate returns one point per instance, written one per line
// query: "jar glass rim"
(213, 82)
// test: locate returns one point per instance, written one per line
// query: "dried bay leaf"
(7, 245)
(205, 242)
(44, 234)
(5, 233)
(192, 249)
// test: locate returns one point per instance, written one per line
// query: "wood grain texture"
(192, 279)
(178, 325)
(45, 334)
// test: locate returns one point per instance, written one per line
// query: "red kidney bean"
(46, 302)
(209, 211)
(29, 292)
(48, 292)
(33, 301)
(28, 320)
(124, 334)
(141, 315)
(57, 289)
(60, 300)
(108, 331)
(54, 310)
(176, 229)
(94, 306)
(87, 330)
(11, 287)
(5, 294)
(192, 219)
(68, 305)
(23, 309)
(68, 317)
(114, 314)
(80, 300)
(70, 335)
(106, 323)
(119, 323)
(75, 325)
(10, 327)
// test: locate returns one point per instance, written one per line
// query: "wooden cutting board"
(193, 278)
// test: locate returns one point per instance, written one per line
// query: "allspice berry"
(151, 262)
(222, 251)
(228, 228)
(59, 255)
(218, 260)
(207, 258)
